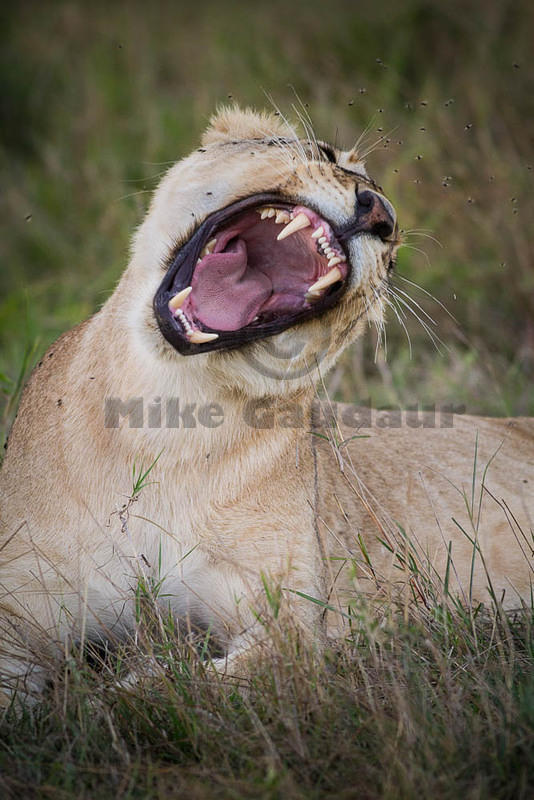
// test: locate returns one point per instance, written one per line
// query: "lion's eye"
(329, 152)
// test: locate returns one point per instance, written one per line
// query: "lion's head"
(274, 248)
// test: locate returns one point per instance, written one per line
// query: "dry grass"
(414, 700)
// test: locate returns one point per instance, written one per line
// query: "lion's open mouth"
(250, 271)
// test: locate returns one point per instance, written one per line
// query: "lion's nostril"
(374, 214)
(365, 199)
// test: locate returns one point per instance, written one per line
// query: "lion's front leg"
(27, 654)
(256, 617)
(274, 644)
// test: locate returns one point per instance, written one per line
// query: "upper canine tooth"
(319, 232)
(300, 221)
(333, 261)
(282, 216)
(199, 337)
(179, 299)
(327, 280)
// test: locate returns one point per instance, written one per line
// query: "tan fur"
(232, 123)
(232, 502)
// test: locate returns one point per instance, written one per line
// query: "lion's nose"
(374, 214)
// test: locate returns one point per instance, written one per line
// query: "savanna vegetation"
(97, 99)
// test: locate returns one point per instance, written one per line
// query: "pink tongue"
(226, 294)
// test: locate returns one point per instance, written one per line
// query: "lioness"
(259, 250)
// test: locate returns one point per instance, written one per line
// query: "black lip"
(183, 265)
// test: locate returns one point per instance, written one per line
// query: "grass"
(428, 701)
(97, 100)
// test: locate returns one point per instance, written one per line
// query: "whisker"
(288, 152)
(424, 230)
(429, 294)
(146, 178)
(421, 309)
(371, 321)
(381, 330)
(307, 123)
(378, 141)
(436, 341)
(371, 148)
(434, 338)
(420, 233)
(133, 194)
(297, 142)
(364, 133)
(399, 313)
(417, 250)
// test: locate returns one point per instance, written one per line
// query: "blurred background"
(98, 99)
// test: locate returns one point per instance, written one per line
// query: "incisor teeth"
(296, 224)
(199, 337)
(327, 280)
(319, 232)
(333, 261)
(179, 299)
(323, 240)
(282, 216)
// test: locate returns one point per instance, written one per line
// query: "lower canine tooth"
(327, 280)
(199, 337)
(296, 224)
(208, 248)
(179, 299)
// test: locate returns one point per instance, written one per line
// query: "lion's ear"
(232, 123)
